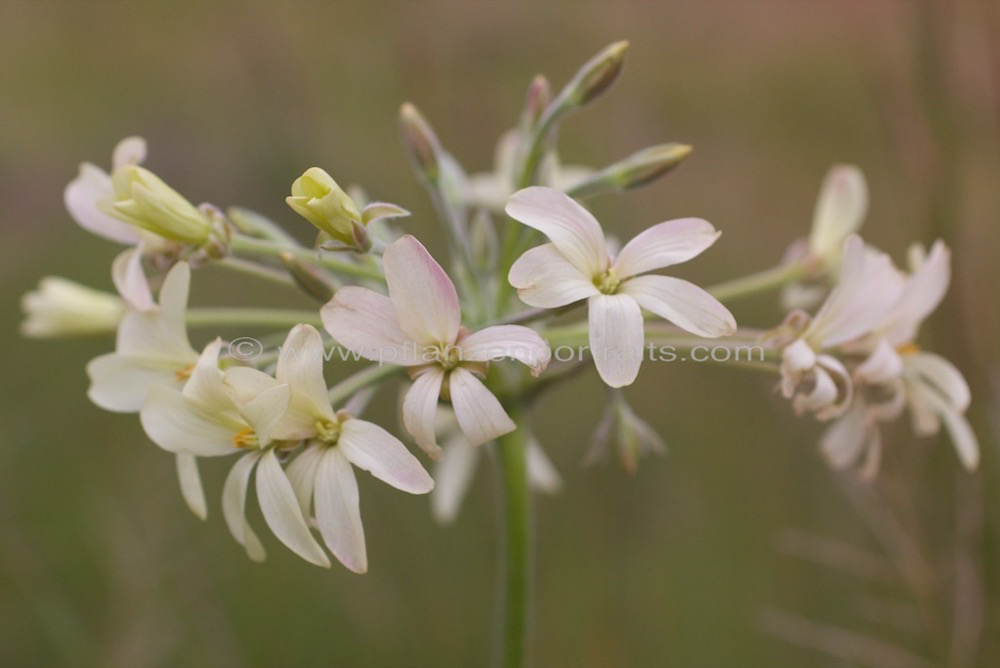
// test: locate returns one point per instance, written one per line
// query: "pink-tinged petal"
(130, 280)
(616, 338)
(921, 294)
(178, 424)
(191, 488)
(882, 365)
(282, 513)
(571, 228)
(544, 278)
(264, 411)
(665, 244)
(420, 405)
(479, 413)
(365, 322)
(840, 210)
(453, 474)
(502, 341)
(338, 511)
(844, 440)
(373, 449)
(234, 498)
(300, 365)
(81, 197)
(942, 375)
(422, 295)
(129, 151)
(120, 384)
(682, 303)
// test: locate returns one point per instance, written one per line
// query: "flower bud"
(421, 143)
(627, 432)
(317, 198)
(307, 277)
(64, 308)
(142, 199)
(538, 98)
(595, 77)
(636, 170)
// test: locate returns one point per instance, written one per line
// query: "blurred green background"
(695, 561)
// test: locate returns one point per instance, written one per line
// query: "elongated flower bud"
(312, 282)
(595, 77)
(60, 307)
(637, 170)
(142, 199)
(422, 145)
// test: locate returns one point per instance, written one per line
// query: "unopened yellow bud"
(317, 198)
(144, 200)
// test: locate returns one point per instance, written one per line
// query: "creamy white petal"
(453, 475)
(422, 295)
(338, 511)
(120, 384)
(371, 448)
(682, 303)
(366, 323)
(665, 244)
(844, 440)
(206, 384)
(174, 294)
(941, 374)
(243, 383)
(300, 365)
(282, 512)
(161, 334)
(796, 358)
(178, 424)
(882, 365)
(130, 280)
(81, 198)
(301, 474)
(479, 413)
(570, 227)
(962, 437)
(264, 411)
(419, 408)
(544, 278)
(616, 338)
(502, 341)
(129, 151)
(840, 210)
(234, 497)
(191, 488)
(822, 395)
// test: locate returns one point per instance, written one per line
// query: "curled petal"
(422, 295)
(665, 244)
(616, 338)
(373, 449)
(479, 413)
(942, 375)
(682, 303)
(574, 232)
(544, 278)
(338, 511)
(282, 511)
(502, 341)
(419, 408)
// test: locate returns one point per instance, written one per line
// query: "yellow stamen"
(908, 349)
(185, 373)
(246, 438)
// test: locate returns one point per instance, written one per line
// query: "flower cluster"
(450, 335)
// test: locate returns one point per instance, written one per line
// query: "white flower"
(840, 212)
(322, 475)
(60, 307)
(576, 265)
(152, 348)
(210, 418)
(454, 471)
(419, 326)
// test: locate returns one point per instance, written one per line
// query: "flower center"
(246, 438)
(448, 356)
(185, 373)
(328, 432)
(607, 282)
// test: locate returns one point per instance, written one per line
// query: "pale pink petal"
(570, 227)
(422, 295)
(81, 197)
(921, 294)
(507, 341)
(452, 477)
(478, 412)
(544, 278)
(844, 440)
(840, 210)
(616, 338)
(338, 511)
(373, 449)
(942, 375)
(665, 244)
(365, 322)
(130, 280)
(962, 437)
(882, 365)
(419, 408)
(282, 513)
(234, 497)
(300, 365)
(682, 303)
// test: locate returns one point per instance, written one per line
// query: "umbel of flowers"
(468, 342)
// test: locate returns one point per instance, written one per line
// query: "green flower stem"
(515, 581)
(236, 317)
(367, 377)
(255, 270)
(762, 281)
(251, 246)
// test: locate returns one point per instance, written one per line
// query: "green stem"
(226, 317)
(251, 246)
(255, 270)
(368, 376)
(514, 584)
(762, 281)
